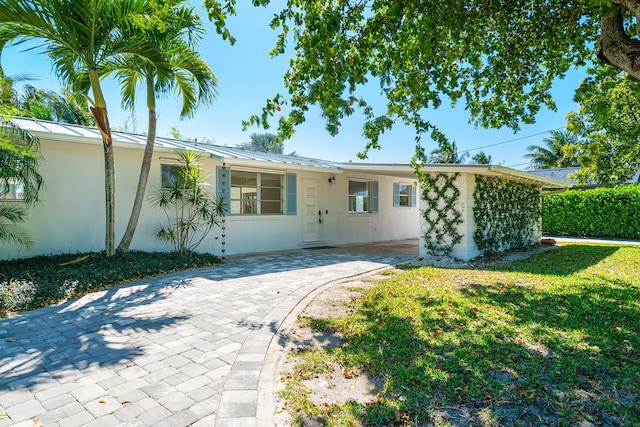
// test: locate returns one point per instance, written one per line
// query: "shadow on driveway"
(56, 342)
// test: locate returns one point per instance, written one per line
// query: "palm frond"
(10, 215)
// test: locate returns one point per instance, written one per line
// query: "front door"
(311, 211)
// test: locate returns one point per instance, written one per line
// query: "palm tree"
(560, 151)
(447, 152)
(187, 75)
(18, 174)
(263, 142)
(481, 158)
(49, 105)
(82, 35)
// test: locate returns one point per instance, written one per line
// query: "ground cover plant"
(550, 340)
(29, 283)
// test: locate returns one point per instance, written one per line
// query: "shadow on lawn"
(507, 356)
(563, 261)
(52, 344)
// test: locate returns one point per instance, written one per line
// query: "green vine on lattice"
(507, 214)
(441, 216)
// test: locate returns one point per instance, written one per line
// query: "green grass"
(30, 283)
(551, 340)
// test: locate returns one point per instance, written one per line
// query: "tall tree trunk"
(99, 111)
(144, 171)
(109, 198)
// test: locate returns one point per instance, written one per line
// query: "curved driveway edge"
(267, 407)
(182, 349)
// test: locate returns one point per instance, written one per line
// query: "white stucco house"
(276, 202)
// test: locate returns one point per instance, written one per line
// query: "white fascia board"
(261, 164)
(405, 170)
(397, 170)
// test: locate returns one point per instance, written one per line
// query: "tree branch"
(616, 47)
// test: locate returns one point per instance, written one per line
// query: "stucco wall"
(70, 217)
(467, 248)
(279, 232)
(390, 223)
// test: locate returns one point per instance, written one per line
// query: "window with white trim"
(358, 196)
(12, 190)
(256, 193)
(404, 195)
(363, 196)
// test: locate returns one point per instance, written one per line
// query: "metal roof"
(561, 174)
(46, 129)
(239, 157)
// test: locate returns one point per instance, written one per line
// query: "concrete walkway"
(561, 239)
(177, 350)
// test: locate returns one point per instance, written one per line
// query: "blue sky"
(247, 76)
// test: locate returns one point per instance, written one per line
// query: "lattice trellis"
(441, 217)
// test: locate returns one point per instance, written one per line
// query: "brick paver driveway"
(176, 350)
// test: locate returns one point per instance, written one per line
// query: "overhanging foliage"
(499, 62)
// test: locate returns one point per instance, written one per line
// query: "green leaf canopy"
(497, 58)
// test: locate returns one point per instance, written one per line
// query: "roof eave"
(265, 164)
(527, 177)
(486, 170)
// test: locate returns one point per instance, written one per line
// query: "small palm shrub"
(10, 215)
(191, 208)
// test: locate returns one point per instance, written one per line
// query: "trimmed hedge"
(601, 212)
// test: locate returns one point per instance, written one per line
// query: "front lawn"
(31, 283)
(550, 340)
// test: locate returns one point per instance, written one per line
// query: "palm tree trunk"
(125, 243)
(99, 111)
(110, 197)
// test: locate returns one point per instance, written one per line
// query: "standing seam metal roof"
(231, 153)
(43, 126)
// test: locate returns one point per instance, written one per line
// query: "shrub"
(30, 283)
(191, 209)
(601, 212)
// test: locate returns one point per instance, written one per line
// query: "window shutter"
(292, 195)
(223, 187)
(396, 195)
(414, 200)
(374, 197)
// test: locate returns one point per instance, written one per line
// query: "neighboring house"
(563, 174)
(276, 202)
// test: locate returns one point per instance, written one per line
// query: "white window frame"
(372, 197)
(15, 191)
(399, 196)
(366, 199)
(258, 197)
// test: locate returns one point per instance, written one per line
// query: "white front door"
(310, 209)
